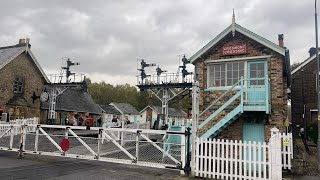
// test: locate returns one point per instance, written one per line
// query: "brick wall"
(308, 91)
(22, 66)
(275, 73)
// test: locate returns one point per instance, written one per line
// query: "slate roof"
(8, 53)
(125, 108)
(171, 111)
(304, 63)
(73, 99)
(110, 109)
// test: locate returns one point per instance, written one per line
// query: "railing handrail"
(231, 88)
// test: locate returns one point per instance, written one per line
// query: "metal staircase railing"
(246, 90)
(223, 123)
(240, 93)
(222, 95)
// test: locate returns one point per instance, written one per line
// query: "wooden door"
(255, 133)
(256, 92)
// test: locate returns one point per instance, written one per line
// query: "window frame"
(18, 85)
(226, 86)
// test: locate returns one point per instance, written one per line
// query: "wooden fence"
(287, 150)
(228, 159)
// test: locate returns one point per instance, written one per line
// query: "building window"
(18, 85)
(225, 74)
(257, 73)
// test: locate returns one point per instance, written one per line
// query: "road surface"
(36, 167)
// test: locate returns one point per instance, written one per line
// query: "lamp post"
(317, 59)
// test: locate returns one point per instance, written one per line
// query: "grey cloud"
(107, 37)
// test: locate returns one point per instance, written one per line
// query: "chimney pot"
(280, 39)
(27, 41)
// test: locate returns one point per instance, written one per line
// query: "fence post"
(36, 142)
(137, 145)
(122, 133)
(195, 114)
(22, 142)
(275, 149)
(183, 148)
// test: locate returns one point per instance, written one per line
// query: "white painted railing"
(17, 129)
(138, 125)
(228, 159)
(74, 143)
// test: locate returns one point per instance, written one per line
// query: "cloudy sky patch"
(107, 37)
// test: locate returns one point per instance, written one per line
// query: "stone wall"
(33, 81)
(275, 73)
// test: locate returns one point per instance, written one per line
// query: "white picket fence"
(223, 159)
(228, 159)
(286, 150)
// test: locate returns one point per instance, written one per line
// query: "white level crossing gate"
(147, 148)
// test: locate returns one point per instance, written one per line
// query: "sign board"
(234, 49)
(286, 142)
(286, 123)
(65, 144)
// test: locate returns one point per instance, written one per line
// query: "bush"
(312, 131)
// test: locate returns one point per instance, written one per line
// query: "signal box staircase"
(249, 95)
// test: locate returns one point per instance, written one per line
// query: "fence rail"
(107, 144)
(15, 126)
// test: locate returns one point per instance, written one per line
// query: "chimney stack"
(312, 51)
(280, 39)
(24, 42)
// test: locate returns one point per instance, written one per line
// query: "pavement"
(36, 167)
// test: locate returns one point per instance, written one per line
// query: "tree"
(103, 93)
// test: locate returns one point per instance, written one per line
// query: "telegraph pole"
(317, 59)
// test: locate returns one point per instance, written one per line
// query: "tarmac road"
(36, 167)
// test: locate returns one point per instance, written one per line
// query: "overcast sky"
(107, 37)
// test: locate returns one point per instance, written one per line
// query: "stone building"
(74, 100)
(21, 82)
(303, 92)
(246, 78)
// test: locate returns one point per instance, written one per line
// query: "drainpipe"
(304, 106)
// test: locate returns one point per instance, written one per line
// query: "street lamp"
(317, 59)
